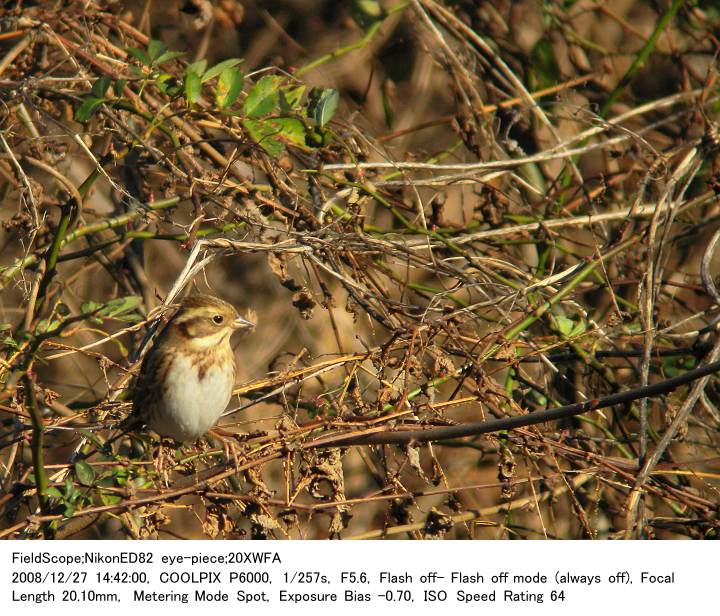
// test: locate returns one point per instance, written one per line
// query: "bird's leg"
(161, 468)
(228, 444)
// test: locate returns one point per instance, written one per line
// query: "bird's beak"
(241, 323)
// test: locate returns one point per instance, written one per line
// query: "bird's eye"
(217, 319)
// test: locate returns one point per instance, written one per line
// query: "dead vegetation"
(478, 237)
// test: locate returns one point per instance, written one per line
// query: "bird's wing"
(148, 386)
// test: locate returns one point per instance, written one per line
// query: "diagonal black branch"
(399, 435)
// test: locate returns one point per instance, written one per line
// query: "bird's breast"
(196, 393)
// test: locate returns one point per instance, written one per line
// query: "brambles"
(442, 215)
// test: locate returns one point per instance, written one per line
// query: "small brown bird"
(187, 377)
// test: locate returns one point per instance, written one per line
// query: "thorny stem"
(109, 223)
(642, 56)
(367, 37)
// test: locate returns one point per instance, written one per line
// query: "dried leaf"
(437, 524)
(216, 521)
(339, 522)
(413, 455)
(304, 302)
(444, 365)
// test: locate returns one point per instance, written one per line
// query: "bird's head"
(206, 321)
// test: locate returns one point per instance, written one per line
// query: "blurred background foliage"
(402, 192)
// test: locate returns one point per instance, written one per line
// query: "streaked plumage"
(186, 379)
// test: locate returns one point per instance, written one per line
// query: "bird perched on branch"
(187, 377)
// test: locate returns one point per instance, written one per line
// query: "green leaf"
(119, 87)
(263, 97)
(285, 106)
(169, 55)
(100, 87)
(564, 325)
(92, 308)
(109, 499)
(120, 306)
(230, 84)
(156, 49)
(675, 366)
(272, 134)
(317, 138)
(198, 68)
(47, 325)
(53, 492)
(265, 136)
(141, 482)
(289, 129)
(70, 491)
(84, 472)
(140, 55)
(69, 510)
(193, 88)
(366, 12)
(219, 68)
(168, 84)
(89, 307)
(578, 329)
(322, 105)
(129, 318)
(120, 475)
(88, 107)
(291, 97)
(10, 342)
